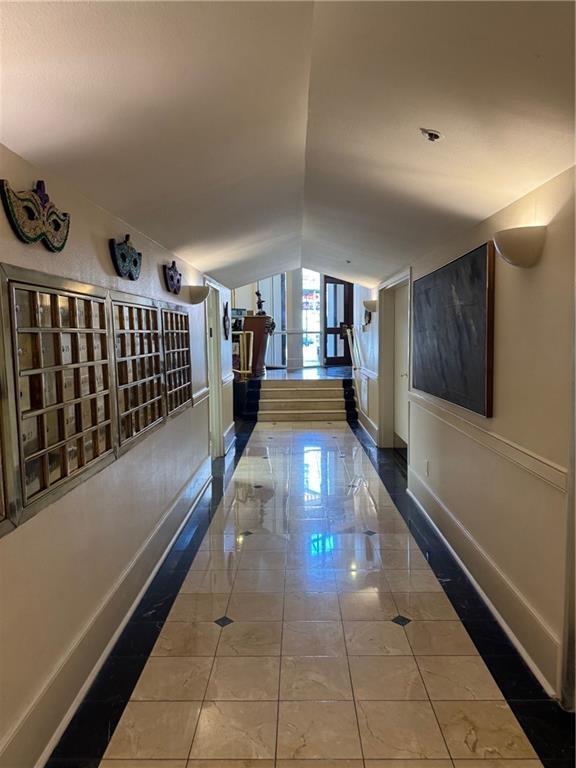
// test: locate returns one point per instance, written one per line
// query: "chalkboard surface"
(453, 313)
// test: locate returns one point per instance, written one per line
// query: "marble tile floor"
(309, 617)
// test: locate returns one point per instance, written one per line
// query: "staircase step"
(302, 404)
(308, 393)
(300, 383)
(323, 416)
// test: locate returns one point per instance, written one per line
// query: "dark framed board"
(453, 331)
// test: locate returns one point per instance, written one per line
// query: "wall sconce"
(520, 246)
(370, 305)
(198, 293)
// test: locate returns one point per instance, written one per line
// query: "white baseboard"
(364, 428)
(229, 438)
(537, 622)
(368, 426)
(48, 716)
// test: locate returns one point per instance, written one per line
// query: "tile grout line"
(482, 656)
(207, 534)
(284, 593)
(211, 513)
(413, 656)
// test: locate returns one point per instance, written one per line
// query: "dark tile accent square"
(549, 728)
(86, 737)
(401, 620)
(223, 621)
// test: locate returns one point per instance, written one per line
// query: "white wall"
(226, 296)
(497, 488)
(366, 377)
(245, 297)
(294, 356)
(366, 339)
(401, 360)
(69, 575)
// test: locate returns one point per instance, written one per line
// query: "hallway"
(287, 422)
(298, 617)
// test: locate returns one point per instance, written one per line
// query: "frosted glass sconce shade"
(520, 246)
(198, 293)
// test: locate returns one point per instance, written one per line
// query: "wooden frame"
(453, 309)
(338, 331)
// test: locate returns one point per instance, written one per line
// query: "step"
(301, 404)
(300, 383)
(306, 393)
(302, 416)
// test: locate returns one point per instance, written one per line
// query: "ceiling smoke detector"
(431, 135)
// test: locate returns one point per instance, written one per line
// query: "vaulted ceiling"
(250, 138)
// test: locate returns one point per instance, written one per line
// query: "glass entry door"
(338, 315)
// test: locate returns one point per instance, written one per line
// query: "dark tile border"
(84, 741)
(549, 728)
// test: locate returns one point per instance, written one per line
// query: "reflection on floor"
(332, 372)
(309, 614)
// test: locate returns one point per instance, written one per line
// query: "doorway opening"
(401, 369)
(311, 319)
(338, 316)
(213, 316)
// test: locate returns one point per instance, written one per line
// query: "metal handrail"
(295, 331)
(246, 338)
(355, 349)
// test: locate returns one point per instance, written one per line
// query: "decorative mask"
(34, 218)
(173, 278)
(126, 259)
(226, 322)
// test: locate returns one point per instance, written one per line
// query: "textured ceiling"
(250, 138)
